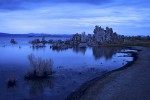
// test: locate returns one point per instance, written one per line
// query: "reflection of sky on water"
(73, 67)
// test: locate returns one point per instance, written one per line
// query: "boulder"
(82, 45)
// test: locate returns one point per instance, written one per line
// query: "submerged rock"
(13, 41)
(11, 82)
(82, 45)
(40, 45)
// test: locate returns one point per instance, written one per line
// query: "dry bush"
(41, 68)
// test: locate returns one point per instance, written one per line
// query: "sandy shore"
(131, 83)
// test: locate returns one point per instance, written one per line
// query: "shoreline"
(81, 91)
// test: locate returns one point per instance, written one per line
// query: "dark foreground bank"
(131, 83)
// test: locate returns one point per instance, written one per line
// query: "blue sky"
(130, 17)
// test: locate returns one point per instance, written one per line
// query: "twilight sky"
(126, 17)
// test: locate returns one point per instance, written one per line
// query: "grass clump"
(41, 68)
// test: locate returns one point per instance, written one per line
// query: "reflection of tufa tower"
(106, 36)
(106, 52)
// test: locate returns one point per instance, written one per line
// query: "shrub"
(41, 68)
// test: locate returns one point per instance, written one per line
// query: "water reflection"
(75, 49)
(81, 50)
(11, 89)
(98, 52)
(79, 66)
(59, 50)
(38, 86)
(106, 52)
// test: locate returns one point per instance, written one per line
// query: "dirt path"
(132, 83)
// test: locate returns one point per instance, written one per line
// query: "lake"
(72, 67)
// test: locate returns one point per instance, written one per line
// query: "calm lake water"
(73, 68)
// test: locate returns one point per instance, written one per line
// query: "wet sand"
(129, 83)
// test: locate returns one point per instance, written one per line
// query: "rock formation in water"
(107, 35)
(79, 40)
(101, 36)
(13, 41)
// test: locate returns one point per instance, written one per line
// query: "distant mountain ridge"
(35, 35)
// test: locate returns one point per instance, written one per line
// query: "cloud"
(72, 18)
(31, 4)
(22, 4)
